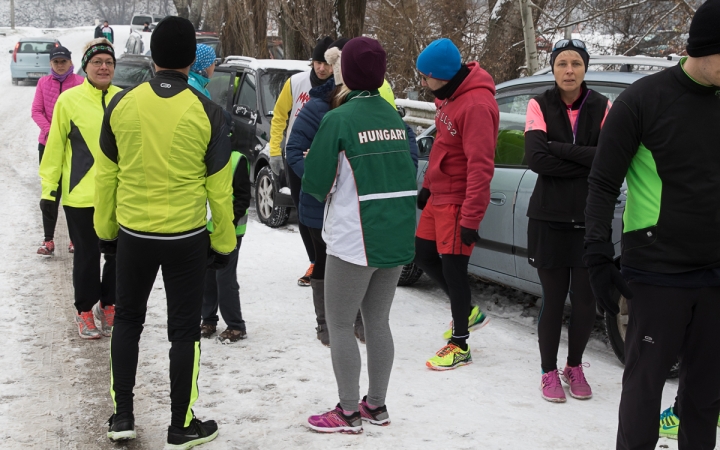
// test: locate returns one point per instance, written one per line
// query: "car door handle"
(497, 198)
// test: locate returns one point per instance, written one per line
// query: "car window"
(272, 83)
(247, 95)
(130, 75)
(510, 150)
(218, 87)
(36, 47)
(609, 91)
(140, 20)
(515, 104)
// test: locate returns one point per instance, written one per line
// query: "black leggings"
(50, 215)
(320, 253)
(450, 272)
(295, 186)
(556, 283)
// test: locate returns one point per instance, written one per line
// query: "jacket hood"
(477, 79)
(324, 90)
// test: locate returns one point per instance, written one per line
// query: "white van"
(138, 20)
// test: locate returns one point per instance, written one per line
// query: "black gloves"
(605, 277)
(468, 236)
(217, 261)
(109, 248)
(422, 198)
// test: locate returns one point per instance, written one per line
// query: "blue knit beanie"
(204, 58)
(439, 60)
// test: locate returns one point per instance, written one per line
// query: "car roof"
(628, 61)
(266, 64)
(135, 59)
(592, 76)
(38, 39)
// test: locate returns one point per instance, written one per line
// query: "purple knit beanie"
(363, 63)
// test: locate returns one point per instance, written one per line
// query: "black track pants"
(222, 290)
(451, 273)
(556, 284)
(89, 286)
(295, 186)
(183, 263)
(50, 215)
(320, 253)
(664, 323)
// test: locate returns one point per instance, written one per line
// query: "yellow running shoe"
(477, 320)
(449, 357)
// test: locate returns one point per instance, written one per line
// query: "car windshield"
(36, 47)
(129, 75)
(272, 83)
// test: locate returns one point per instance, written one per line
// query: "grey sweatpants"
(347, 287)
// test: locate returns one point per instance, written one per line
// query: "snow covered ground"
(54, 386)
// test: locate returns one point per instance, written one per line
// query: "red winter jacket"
(46, 94)
(462, 163)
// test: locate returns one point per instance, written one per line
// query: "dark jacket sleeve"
(413, 144)
(580, 154)
(98, 32)
(619, 142)
(241, 191)
(302, 135)
(542, 162)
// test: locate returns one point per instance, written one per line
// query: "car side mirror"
(425, 144)
(246, 113)
(10, 51)
(401, 111)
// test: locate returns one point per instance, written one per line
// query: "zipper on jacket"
(103, 100)
(61, 87)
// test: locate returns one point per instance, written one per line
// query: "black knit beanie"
(581, 51)
(173, 43)
(704, 39)
(320, 48)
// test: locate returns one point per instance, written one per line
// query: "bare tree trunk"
(351, 17)
(454, 18)
(195, 8)
(531, 53)
(12, 14)
(503, 53)
(182, 7)
(259, 23)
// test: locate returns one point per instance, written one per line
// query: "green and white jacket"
(360, 164)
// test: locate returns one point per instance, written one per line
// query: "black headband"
(95, 50)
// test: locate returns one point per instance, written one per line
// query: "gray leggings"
(347, 287)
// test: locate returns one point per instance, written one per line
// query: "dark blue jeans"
(222, 289)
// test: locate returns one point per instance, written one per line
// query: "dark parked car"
(247, 88)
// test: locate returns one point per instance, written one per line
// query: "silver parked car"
(501, 254)
(31, 58)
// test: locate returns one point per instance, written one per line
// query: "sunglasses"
(569, 42)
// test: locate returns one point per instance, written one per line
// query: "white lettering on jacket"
(444, 119)
(381, 135)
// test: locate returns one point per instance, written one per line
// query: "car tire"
(409, 275)
(15, 81)
(269, 214)
(616, 328)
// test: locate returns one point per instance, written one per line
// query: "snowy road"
(54, 386)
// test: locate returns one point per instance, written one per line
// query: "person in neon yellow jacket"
(165, 156)
(71, 151)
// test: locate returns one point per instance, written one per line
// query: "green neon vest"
(235, 158)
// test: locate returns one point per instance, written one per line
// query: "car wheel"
(269, 214)
(616, 329)
(409, 275)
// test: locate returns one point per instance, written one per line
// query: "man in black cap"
(165, 155)
(662, 135)
(292, 98)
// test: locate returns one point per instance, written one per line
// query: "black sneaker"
(197, 433)
(121, 427)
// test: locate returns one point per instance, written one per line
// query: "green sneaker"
(670, 424)
(449, 357)
(477, 320)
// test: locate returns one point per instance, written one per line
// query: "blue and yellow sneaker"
(669, 424)
(449, 357)
(477, 320)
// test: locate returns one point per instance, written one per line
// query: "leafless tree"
(245, 28)
(350, 17)
(114, 11)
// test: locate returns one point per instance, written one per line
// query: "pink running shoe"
(336, 422)
(575, 378)
(71, 248)
(86, 326)
(552, 390)
(377, 416)
(47, 248)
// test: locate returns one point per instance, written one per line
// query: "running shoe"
(335, 421)
(71, 248)
(477, 320)
(377, 416)
(551, 387)
(86, 326)
(449, 357)
(670, 424)
(47, 248)
(197, 433)
(121, 427)
(105, 317)
(575, 378)
(231, 336)
(305, 279)
(207, 330)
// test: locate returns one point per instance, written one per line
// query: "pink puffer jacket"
(47, 92)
